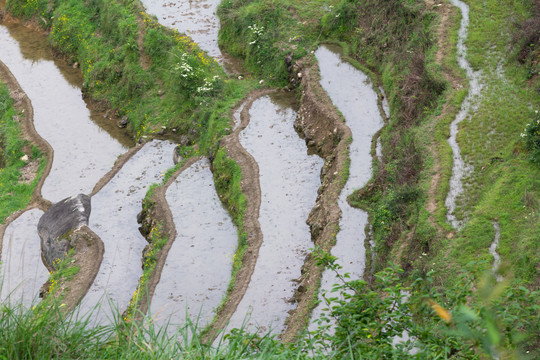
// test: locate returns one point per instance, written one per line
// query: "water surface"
(459, 168)
(22, 271)
(114, 220)
(83, 151)
(196, 18)
(352, 93)
(199, 263)
(289, 180)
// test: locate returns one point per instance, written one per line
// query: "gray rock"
(57, 226)
(176, 155)
(123, 122)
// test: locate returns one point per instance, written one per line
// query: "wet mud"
(114, 219)
(353, 94)
(459, 167)
(22, 270)
(198, 269)
(83, 152)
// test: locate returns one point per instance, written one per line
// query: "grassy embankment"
(15, 194)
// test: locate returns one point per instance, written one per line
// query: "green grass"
(227, 179)
(154, 76)
(14, 194)
(503, 184)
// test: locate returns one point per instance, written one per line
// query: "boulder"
(58, 227)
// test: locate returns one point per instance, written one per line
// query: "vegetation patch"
(17, 155)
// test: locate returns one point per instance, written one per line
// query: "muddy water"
(459, 168)
(352, 93)
(199, 263)
(114, 220)
(196, 18)
(289, 179)
(22, 271)
(83, 151)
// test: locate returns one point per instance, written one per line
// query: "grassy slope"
(14, 194)
(504, 184)
(154, 76)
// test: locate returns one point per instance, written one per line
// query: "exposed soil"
(161, 212)
(325, 131)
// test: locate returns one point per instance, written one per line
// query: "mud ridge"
(24, 106)
(161, 212)
(326, 132)
(251, 188)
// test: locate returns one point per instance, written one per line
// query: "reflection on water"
(114, 220)
(198, 19)
(199, 263)
(83, 151)
(352, 93)
(22, 270)
(289, 179)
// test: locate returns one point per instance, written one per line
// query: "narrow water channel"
(114, 220)
(22, 271)
(459, 168)
(289, 179)
(83, 151)
(352, 93)
(199, 264)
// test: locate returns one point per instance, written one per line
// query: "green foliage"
(342, 20)
(32, 8)
(227, 179)
(14, 194)
(531, 134)
(369, 318)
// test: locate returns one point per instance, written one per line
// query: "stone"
(24, 158)
(123, 122)
(58, 226)
(177, 157)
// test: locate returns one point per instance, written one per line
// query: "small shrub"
(531, 135)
